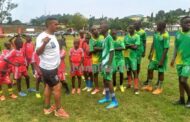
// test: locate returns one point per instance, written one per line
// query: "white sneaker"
(84, 89)
(89, 89)
(104, 92)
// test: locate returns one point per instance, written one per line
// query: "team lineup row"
(99, 50)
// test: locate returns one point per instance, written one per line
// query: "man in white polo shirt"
(47, 48)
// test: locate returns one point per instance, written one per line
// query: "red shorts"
(19, 73)
(29, 61)
(87, 65)
(5, 79)
(61, 76)
(77, 71)
(37, 75)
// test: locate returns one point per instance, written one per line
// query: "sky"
(28, 9)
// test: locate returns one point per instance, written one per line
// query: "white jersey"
(50, 58)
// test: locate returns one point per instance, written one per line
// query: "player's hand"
(160, 64)
(46, 40)
(172, 63)
(108, 70)
(39, 71)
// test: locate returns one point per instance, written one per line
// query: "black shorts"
(50, 77)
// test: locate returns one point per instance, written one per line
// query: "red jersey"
(17, 56)
(81, 40)
(62, 64)
(76, 56)
(35, 58)
(86, 49)
(28, 49)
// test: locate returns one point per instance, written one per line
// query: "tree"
(6, 6)
(160, 16)
(79, 21)
(16, 22)
(9, 20)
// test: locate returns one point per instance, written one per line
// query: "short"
(37, 75)
(76, 71)
(5, 79)
(131, 64)
(29, 61)
(183, 70)
(96, 68)
(19, 73)
(87, 65)
(107, 76)
(119, 66)
(50, 77)
(153, 65)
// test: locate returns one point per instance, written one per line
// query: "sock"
(159, 84)
(90, 83)
(87, 83)
(10, 91)
(149, 81)
(107, 93)
(129, 79)
(182, 99)
(113, 97)
(136, 81)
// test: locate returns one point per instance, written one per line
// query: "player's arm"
(151, 51)
(82, 58)
(40, 50)
(174, 57)
(8, 56)
(163, 56)
(144, 44)
(98, 48)
(166, 47)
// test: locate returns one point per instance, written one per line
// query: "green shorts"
(95, 68)
(119, 66)
(183, 70)
(153, 65)
(131, 64)
(107, 76)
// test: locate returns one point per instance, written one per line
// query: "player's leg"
(129, 76)
(38, 80)
(79, 84)
(159, 83)
(95, 70)
(73, 85)
(86, 81)
(114, 81)
(2, 97)
(186, 88)
(181, 100)
(10, 90)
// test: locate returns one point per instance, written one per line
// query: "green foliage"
(6, 6)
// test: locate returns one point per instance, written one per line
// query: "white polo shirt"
(50, 58)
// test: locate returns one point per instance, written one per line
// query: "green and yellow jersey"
(182, 45)
(96, 56)
(141, 47)
(131, 40)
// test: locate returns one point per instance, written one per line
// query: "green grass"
(84, 107)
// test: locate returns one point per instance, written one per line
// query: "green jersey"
(141, 47)
(119, 54)
(108, 46)
(182, 44)
(96, 56)
(131, 40)
(160, 43)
